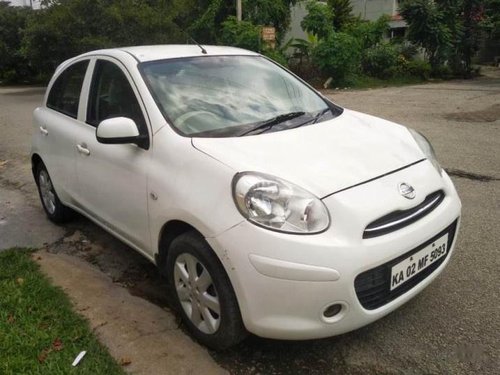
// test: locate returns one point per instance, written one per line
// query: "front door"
(112, 179)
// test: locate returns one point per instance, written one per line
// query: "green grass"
(39, 331)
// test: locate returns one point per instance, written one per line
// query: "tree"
(241, 34)
(427, 28)
(342, 13)
(368, 33)
(13, 65)
(491, 18)
(69, 27)
(338, 56)
(319, 19)
(205, 17)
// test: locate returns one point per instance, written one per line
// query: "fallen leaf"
(20, 280)
(11, 319)
(57, 345)
(3, 162)
(125, 361)
(43, 355)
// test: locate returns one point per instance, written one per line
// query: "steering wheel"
(181, 120)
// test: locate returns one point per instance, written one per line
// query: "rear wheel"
(202, 292)
(54, 209)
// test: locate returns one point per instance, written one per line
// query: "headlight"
(426, 148)
(278, 204)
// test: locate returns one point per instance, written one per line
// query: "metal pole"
(238, 10)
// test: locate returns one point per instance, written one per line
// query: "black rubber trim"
(402, 218)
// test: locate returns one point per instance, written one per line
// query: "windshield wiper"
(314, 120)
(321, 114)
(268, 124)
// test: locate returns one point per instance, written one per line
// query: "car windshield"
(221, 96)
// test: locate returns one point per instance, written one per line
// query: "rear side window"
(64, 95)
(111, 95)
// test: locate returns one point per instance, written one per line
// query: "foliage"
(338, 56)
(70, 27)
(378, 60)
(427, 28)
(204, 17)
(275, 13)
(366, 32)
(419, 68)
(40, 333)
(276, 55)
(472, 15)
(491, 20)
(13, 66)
(342, 13)
(448, 30)
(242, 34)
(318, 20)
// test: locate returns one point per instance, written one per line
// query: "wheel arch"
(169, 231)
(35, 161)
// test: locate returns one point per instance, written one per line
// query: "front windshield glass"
(220, 96)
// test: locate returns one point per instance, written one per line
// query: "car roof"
(173, 51)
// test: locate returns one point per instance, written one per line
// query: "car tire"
(202, 292)
(55, 210)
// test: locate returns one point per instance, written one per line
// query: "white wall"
(27, 3)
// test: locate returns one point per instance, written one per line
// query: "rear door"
(55, 124)
(112, 178)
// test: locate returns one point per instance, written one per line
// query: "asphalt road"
(452, 327)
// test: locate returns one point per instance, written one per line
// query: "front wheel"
(202, 292)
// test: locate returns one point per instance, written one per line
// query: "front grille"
(373, 286)
(399, 219)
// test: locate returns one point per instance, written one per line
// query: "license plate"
(416, 263)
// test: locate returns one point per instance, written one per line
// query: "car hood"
(322, 158)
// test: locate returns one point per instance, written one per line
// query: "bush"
(368, 33)
(319, 19)
(443, 71)
(419, 68)
(380, 60)
(407, 50)
(277, 56)
(241, 34)
(338, 56)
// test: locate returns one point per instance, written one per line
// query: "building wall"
(373, 9)
(26, 3)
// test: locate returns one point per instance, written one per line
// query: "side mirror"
(120, 130)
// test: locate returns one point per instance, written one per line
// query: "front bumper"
(284, 282)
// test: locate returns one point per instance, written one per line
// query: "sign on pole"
(269, 36)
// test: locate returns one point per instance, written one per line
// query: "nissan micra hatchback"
(269, 208)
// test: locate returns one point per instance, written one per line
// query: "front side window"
(220, 96)
(112, 96)
(64, 95)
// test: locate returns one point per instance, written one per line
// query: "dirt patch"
(489, 114)
(122, 264)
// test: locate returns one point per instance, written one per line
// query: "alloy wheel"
(197, 293)
(47, 191)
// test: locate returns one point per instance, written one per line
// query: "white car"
(269, 208)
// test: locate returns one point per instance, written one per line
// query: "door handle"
(82, 149)
(44, 131)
